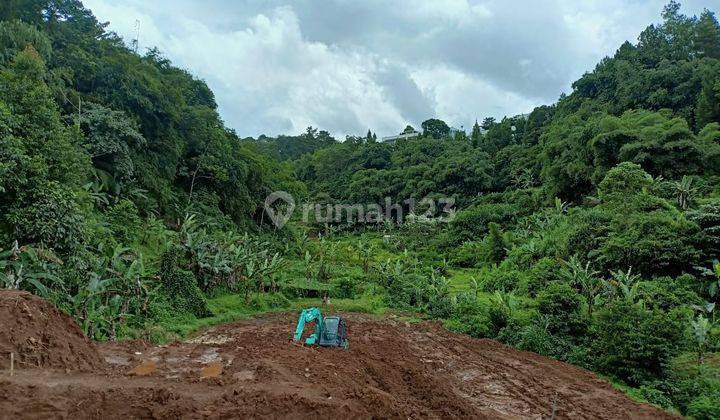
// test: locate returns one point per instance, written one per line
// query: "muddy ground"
(393, 369)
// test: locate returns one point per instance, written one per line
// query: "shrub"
(705, 407)
(501, 279)
(696, 389)
(666, 293)
(468, 318)
(653, 243)
(623, 180)
(536, 338)
(562, 307)
(632, 343)
(50, 216)
(466, 255)
(181, 286)
(124, 221)
(472, 223)
(545, 272)
(493, 248)
(344, 288)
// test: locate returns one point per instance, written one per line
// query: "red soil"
(251, 369)
(39, 335)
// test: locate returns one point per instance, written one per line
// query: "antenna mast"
(136, 41)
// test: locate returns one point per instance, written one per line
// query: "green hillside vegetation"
(587, 230)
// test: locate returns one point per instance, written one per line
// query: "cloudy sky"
(346, 66)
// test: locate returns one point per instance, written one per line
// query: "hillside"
(586, 231)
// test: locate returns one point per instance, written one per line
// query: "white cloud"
(277, 66)
(461, 98)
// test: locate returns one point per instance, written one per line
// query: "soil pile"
(40, 336)
(393, 369)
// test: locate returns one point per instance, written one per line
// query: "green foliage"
(28, 268)
(112, 139)
(561, 306)
(16, 36)
(626, 179)
(51, 217)
(705, 407)
(587, 230)
(181, 286)
(435, 128)
(632, 343)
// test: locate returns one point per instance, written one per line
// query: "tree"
(624, 180)
(495, 244)
(112, 139)
(408, 130)
(16, 36)
(476, 134)
(561, 305)
(707, 35)
(487, 123)
(435, 128)
(44, 162)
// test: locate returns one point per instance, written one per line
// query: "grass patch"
(461, 279)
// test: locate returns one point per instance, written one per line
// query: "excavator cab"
(335, 334)
(330, 331)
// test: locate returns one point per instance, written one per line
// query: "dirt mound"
(39, 335)
(393, 369)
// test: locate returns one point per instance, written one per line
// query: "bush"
(50, 216)
(705, 407)
(472, 223)
(344, 288)
(561, 306)
(632, 343)
(466, 255)
(181, 286)
(267, 301)
(652, 395)
(469, 317)
(654, 243)
(545, 272)
(625, 179)
(667, 293)
(124, 221)
(501, 279)
(536, 338)
(696, 389)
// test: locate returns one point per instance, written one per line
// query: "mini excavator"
(330, 331)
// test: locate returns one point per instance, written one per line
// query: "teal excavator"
(330, 331)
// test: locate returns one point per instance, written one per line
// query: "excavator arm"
(307, 316)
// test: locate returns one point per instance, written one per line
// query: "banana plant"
(584, 278)
(28, 268)
(624, 285)
(701, 327)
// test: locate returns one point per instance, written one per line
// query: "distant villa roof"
(400, 136)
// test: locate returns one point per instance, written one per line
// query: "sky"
(346, 66)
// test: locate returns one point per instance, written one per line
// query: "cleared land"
(250, 368)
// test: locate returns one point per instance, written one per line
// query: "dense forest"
(587, 230)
